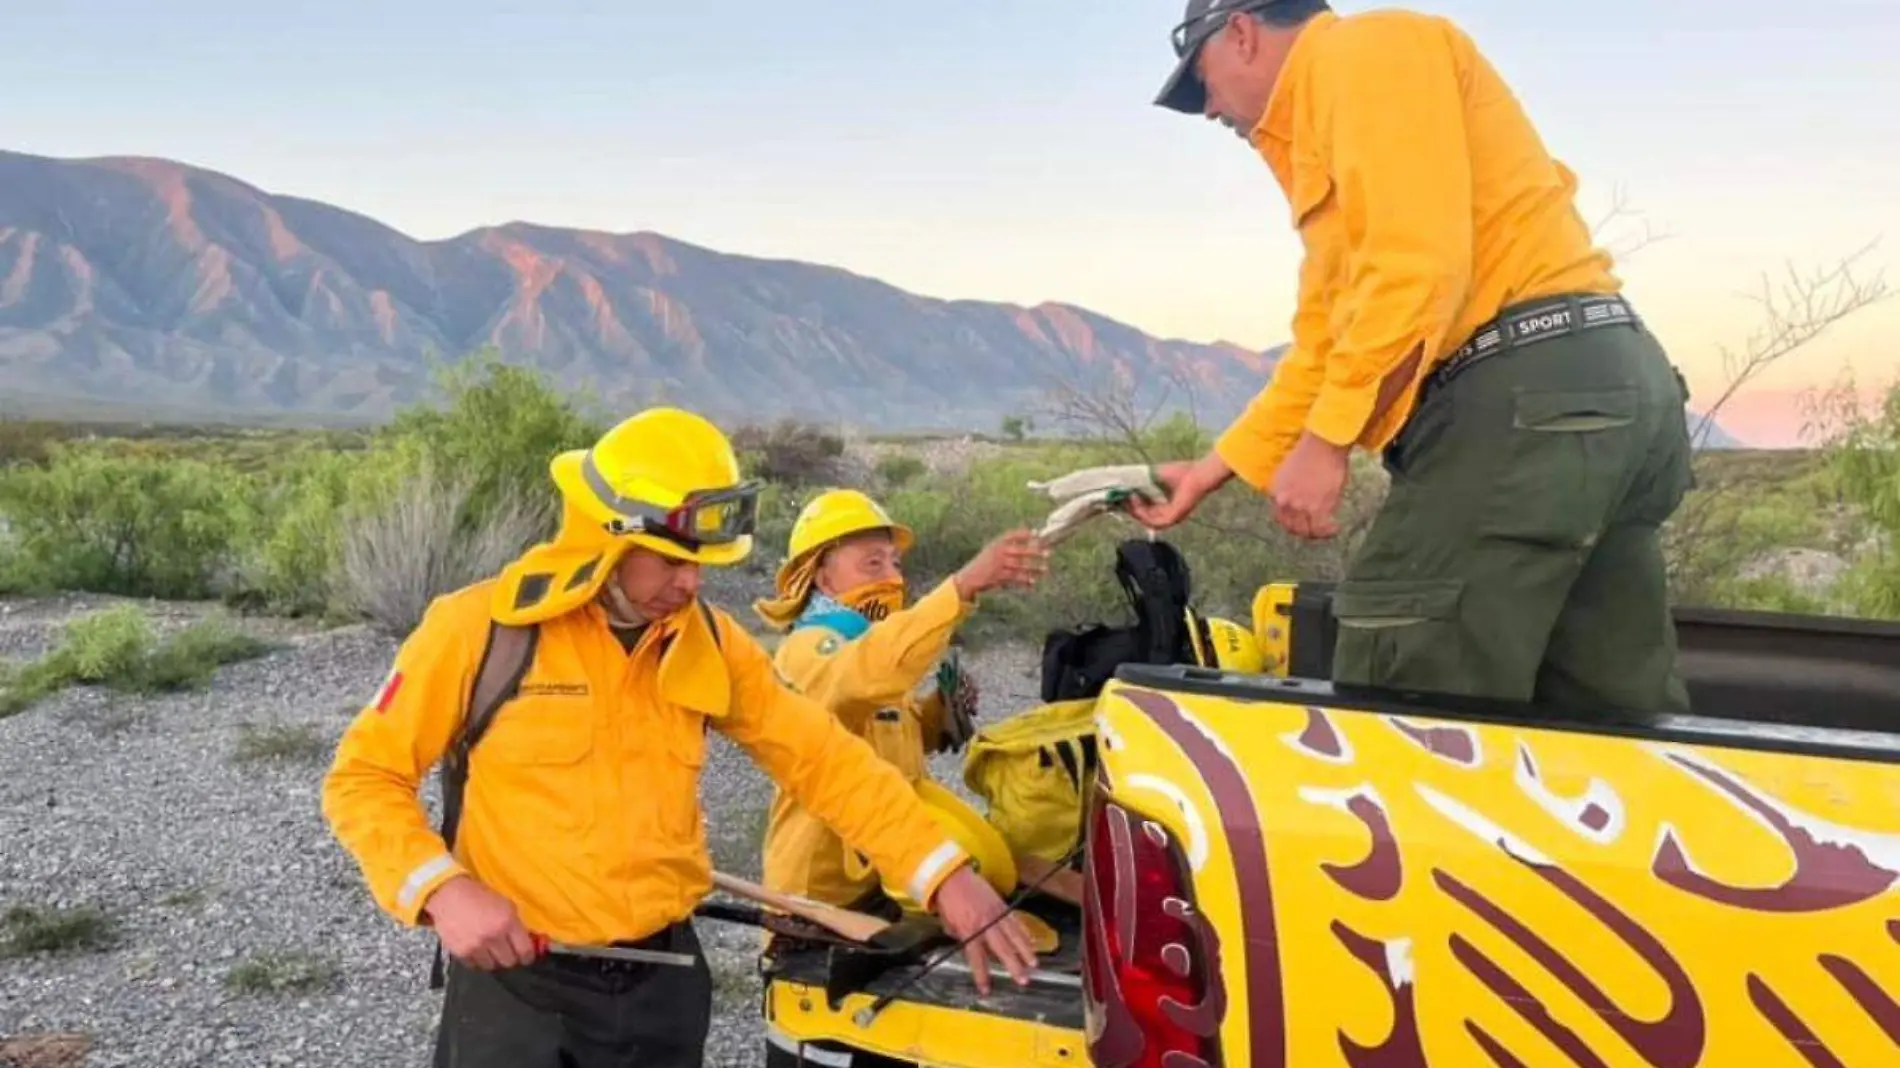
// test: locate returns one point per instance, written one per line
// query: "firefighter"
(580, 820)
(853, 644)
(1454, 315)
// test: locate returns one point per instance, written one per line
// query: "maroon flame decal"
(1455, 744)
(1893, 930)
(1239, 817)
(1379, 876)
(1203, 1019)
(1826, 875)
(1320, 736)
(1676, 1040)
(1594, 817)
(1798, 1034)
(1534, 1012)
(1502, 1057)
(1860, 986)
(1402, 1048)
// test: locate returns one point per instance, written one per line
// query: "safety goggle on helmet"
(704, 517)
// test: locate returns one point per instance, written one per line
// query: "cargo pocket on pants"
(1566, 463)
(1400, 633)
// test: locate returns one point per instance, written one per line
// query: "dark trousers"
(1519, 554)
(574, 1012)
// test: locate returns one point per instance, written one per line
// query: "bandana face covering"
(875, 601)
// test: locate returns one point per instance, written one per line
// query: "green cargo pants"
(1518, 554)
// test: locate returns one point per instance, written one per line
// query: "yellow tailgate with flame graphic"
(1381, 891)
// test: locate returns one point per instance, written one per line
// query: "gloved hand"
(959, 694)
(1091, 492)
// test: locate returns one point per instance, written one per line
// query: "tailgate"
(934, 1017)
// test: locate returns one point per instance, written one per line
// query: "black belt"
(1531, 322)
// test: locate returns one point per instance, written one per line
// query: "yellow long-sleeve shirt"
(868, 683)
(582, 805)
(1425, 202)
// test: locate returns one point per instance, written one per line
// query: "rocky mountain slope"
(148, 282)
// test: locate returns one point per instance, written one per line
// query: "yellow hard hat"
(839, 513)
(668, 480)
(1225, 644)
(989, 854)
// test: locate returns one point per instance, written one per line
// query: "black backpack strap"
(504, 662)
(711, 624)
(1078, 662)
(1155, 577)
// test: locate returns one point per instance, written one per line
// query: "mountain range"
(135, 284)
(146, 282)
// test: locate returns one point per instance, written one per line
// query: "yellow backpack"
(1035, 770)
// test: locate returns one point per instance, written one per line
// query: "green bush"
(897, 469)
(1864, 462)
(27, 930)
(135, 526)
(289, 570)
(498, 430)
(118, 648)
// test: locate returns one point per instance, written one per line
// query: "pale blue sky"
(973, 148)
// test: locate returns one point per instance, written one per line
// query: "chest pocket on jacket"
(532, 758)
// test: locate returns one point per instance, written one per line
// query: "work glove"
(1091, 492)
(959, 694)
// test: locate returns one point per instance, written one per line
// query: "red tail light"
(1151, 970)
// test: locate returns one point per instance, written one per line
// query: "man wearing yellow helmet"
(578, 821)
(853, 645)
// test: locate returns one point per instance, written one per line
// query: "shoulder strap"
(505, 660)
(712, 624)
(1155, 577)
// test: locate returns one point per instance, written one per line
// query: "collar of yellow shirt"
(1272, 136)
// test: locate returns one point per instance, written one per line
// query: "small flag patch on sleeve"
(388, 692)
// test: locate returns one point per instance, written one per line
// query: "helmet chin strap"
(621, 614)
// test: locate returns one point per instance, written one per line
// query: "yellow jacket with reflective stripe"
(582, 802)
(868, 684)
(1425, 202)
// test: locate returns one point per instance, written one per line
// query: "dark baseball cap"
(1183, 91)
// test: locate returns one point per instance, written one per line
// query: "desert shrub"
(289, 570)
(898, 469)
(287, 972)
(790, 453)
(123, 525)
(1863, 459)
(27, 930)
(399, 552)
(119, 648)
(31, 442)
(498, 430)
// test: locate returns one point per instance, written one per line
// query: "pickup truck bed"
(1288, 874)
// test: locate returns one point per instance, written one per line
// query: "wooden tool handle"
(859, 926)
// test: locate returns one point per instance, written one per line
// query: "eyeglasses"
(1210, 22)
(707, 517)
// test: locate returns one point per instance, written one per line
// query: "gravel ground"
(217, 869)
